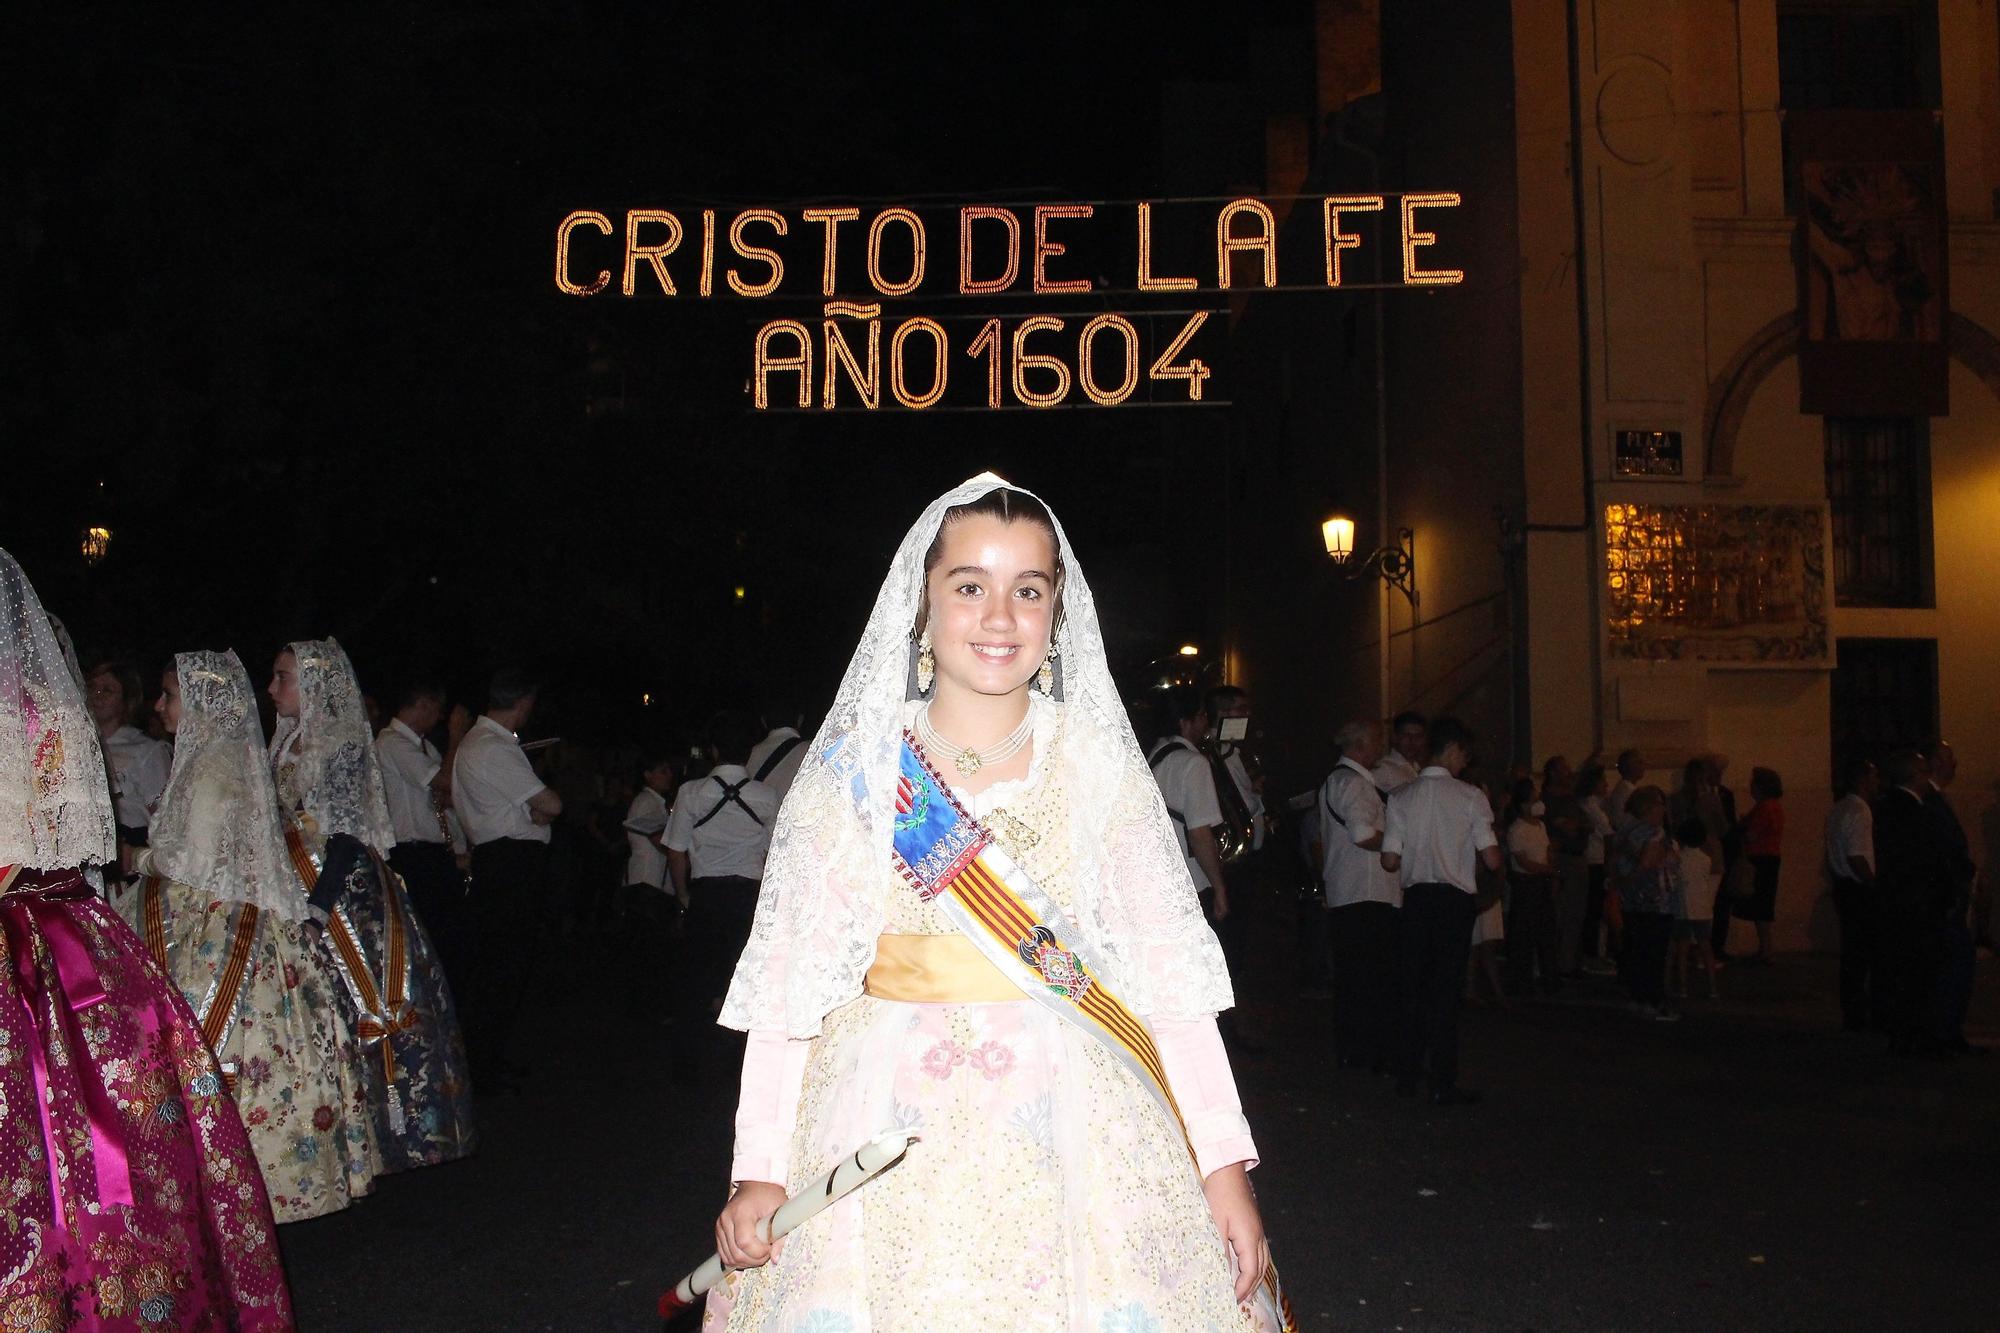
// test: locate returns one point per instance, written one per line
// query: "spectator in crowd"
(1438, 832)
(1591, 784)
(1698, 881)
(506, 810)
(1915, 875)
(1569, 844)
(1646, 888)
(1533, 933)
(1764, 846)
(1850, 869)
(1736, 883)
(139, 764)
(1409, 743)
(717, 835)
(1960, 955)
(1699, 800)
(1631, 771)
(1364, 900)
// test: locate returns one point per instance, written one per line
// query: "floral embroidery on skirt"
(1049, 1191)
(151, 1215)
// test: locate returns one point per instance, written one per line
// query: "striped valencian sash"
(385, 1005)
(217, 1011)
(950, 859)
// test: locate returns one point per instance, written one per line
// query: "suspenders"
(730, 792)
(1326, 798)
(1154, 763)
(776, 757)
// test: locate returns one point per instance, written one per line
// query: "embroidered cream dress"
(218, 912)
(1050, 1189)
(286, 1049)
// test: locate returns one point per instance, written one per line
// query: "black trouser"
(1533, 934)
(1593, 911)
(1863, 998)
(1718, 933)
(1366, 1000)
(1647, 935)
(508, 908)
(1958, 966)
(646, 935)
(1916, 959)
(1436, 926)
(437, 891)
(720, 909)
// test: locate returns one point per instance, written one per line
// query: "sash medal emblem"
(1060, 970)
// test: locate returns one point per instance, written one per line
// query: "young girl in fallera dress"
(975, 922)
(220, 911)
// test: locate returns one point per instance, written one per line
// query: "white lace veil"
(337, 779)
(217, 827)
(55, 802)
(825, 883)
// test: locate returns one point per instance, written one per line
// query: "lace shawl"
(823, 900)
(336, 779)
(55, 798)
(217, 828)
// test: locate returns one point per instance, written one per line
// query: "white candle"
(865, 1163)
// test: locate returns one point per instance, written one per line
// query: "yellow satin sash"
(935, 969)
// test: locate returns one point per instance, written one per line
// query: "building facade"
(1704, 455)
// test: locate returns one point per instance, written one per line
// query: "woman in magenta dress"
(131, 1198)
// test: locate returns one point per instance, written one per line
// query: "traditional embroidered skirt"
(1049, 1192)
(421, 1093)
(285, 1039)
(131, 1196)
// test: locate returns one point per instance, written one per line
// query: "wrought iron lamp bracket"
(1394, 565)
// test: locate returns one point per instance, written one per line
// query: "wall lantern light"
(96, 544)
(1394, 565)
(1190, 650)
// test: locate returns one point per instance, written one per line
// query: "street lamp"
(1394, 565)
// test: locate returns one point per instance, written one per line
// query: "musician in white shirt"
(716, 838)
(1438, 833)
(1409, 742)
(1363, 899)
(649, 904)
(506, 810)
(417, 781)
(774, 761)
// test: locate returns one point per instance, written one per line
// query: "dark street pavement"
(1748, 1168)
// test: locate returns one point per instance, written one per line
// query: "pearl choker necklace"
(963, 757)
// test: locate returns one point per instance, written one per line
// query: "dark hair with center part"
(1008, 506)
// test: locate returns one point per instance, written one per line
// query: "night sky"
(279, 312)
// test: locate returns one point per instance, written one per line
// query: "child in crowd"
(1698, 881)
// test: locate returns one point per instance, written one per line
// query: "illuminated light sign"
(861, 354)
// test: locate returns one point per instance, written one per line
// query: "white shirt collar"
(486, 720)
(1349, 761)
(729, 772)
(403, 728)
(1429, 769)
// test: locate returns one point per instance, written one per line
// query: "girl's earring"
(1046, 677)
(926, 663)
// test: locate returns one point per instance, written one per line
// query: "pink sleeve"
(767, 1108)
(1198, 1071)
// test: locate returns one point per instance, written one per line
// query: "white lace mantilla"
(336, 780)
(822, 903)
(217, 828)
(55, 794)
